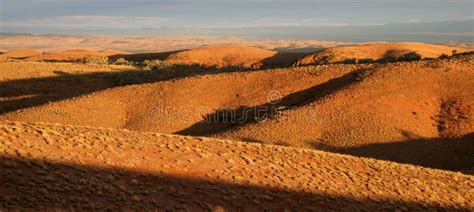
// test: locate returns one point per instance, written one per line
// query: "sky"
(226, 13)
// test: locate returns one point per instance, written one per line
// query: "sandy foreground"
(66, 167)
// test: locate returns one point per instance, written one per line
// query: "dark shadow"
(281, 59)
(62, 73)
(388, 57)
(225, 119)
(251, 140)
(19, 94)
(410, 135)
(140, 57)
(454, 154)
(24, 93)
(43, 185)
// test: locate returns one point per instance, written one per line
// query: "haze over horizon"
(307, 19)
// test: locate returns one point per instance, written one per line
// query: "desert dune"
(377, 51)
(54, 166)
(20, 53)
(234, 127)
(362, 109)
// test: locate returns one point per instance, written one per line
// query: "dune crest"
(233, 56)
(376, 51)
(20, 53)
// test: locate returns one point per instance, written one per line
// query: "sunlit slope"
(176, 105)
(411, 112)
(417, 113)
(58, 167)
(376, 51)
(233, 56)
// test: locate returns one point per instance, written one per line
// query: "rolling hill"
(70, 55)
(46, 167)
(376, 51)
(239, 56)
(20, 53)
(368, 110)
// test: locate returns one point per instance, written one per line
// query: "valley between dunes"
(386, 126)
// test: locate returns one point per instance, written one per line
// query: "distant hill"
(461, 31)
(14, 34)
(422, 109)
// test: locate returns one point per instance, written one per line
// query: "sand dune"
(89, 135)
(248, 57)
(334, 107)
(20, 53)
(63, 56)
(70, 55)
(159, 106)
(215, 56)
(240, 56)
(82, 168)
(26, 84)
(409, 104)
(376, 51)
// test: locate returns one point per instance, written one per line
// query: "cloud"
(88, 21)
(414, 20)
(121, 22)
(275, 22)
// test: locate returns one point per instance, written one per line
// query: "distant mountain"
(14, 34)
(449, 31)
(428, 32)
(466, 26)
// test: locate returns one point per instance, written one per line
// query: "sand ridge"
(66, 167)
(366, 110)
(376, 51)
(212, 56)
(239, 56)
(236, 128)
(20, 53)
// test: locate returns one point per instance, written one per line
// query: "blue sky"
(226, 13)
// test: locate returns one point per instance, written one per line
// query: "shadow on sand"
(281, 59)
(35, 185)
(225, 119)
(140, 57)
(456, 154)
(24, 93)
